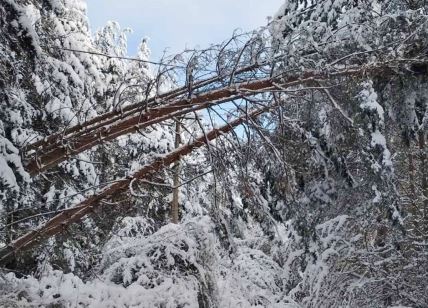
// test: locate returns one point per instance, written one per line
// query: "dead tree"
(64, 219)
(50, 156)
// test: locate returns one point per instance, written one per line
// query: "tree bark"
(61, 221)
(424, 171)
(176, 180)
(51, 154)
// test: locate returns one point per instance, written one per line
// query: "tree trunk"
(411, 174)
(176, 179)
(62, 220)
(60, 146)
(424, 178)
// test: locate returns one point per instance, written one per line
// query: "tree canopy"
(285, 167)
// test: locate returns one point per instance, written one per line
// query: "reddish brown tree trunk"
(61, 221)
(50, 155)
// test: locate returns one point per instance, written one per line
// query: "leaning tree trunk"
(48, 155)
(60, 222)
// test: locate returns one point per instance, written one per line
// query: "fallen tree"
(120, 114)
(62, 220)
(51, 155)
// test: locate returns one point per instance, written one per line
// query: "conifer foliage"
(319, 199)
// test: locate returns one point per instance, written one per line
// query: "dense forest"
(284, 167)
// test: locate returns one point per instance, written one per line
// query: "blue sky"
(178, 24)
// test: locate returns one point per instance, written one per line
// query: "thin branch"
(121, 57)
